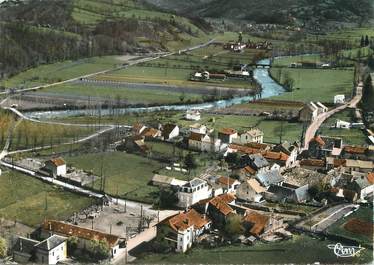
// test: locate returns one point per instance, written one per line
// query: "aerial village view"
(186, 132)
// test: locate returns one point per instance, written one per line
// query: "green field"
(351, 136)
(131, 95)
(29, 200)
(50, 73)
(299, 250)
(315, 84)
(364, 214)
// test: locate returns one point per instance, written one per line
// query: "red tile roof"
(182, 221)
(227, 197)
(312, 162)
(228, 131)
(150, 132)
(319, 140)
(339, 162)
(196, 136)
(355, 149)
(221, 206)
(258, 222)
(80, 232)
(275, 155)
(226, 181)
(249, 170)
(257, 146)
(58, 161)
(244, 149)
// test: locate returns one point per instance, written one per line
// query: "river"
(270, 88)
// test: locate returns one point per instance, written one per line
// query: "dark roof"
(300, 193)
(167, 129)
(194, 183)
(269, 177)
(51, 242)
(259, 161)
(25, 245)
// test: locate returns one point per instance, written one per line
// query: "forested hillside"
(44, 31)
(274, 11)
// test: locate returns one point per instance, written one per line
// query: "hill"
(35, 32)
(274, 11)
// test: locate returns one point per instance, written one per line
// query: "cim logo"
(345, 251)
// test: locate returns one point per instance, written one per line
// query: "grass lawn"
(315, 84)
(144, 96)
(29, 200)
(50, 73)
(351, 136)
(299, 250)
(125, 174)
(365, 214)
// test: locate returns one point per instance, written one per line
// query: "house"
(250, 136)
(342, 195)
(203, 143)
(244, 172)
(308, 113)
(200, 76)
(165, 181)
(138, 128)
(313, 164)
(321, 108)
(51, 250)
(287, 193)
(193, 192)
(182, 230)
(363, 185)
(268, 178)
(279, 158)
(323, 146)
(227, 135)
(256, 162)
(250, 191)
(170, 131)
(291, 150)
(24, 250)
(356, 152)
(198, 128)
(151, 133)
(228, 184)
(257, 224)
(339, 99)
(56, 167)
(339, 124)
(218, 208)
(193, 115)
(359, 165)
(85, 236)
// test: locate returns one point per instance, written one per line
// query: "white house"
(52, 250)
(204, 143)
(193, 192)
(170, 131)
(56, 167)
(198, 128)
(253, 135)
(182, 230)
(308, 113)
(193, 115)
(342, 124)
(339, 99)
(227, 135)
(321, 108)
(228, 184)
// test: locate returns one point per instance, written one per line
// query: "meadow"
(30, 201)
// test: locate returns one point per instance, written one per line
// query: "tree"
(190, 162)
(3, 248)
(362, 42)
(99, 249)
(233, 227)
(167, 198)
(367, 42)
(233, 159)
(288, 82)
(240, 38)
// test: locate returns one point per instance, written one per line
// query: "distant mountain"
(274, 11)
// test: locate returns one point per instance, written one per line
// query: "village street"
(316, 124)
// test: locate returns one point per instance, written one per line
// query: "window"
(53, 253)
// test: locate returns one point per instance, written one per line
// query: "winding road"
(316, 124)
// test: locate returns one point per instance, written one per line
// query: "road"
(322, 220)
(320, 119)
